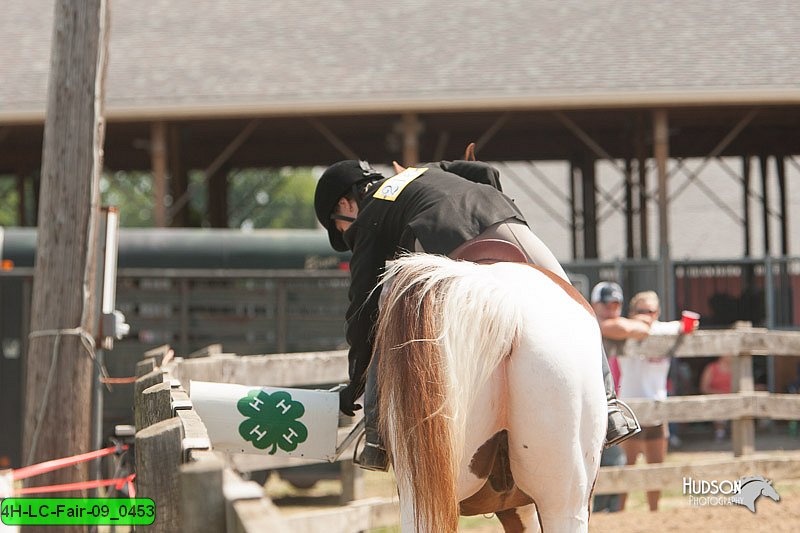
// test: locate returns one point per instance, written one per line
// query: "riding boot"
(373, 457)
(622, 422)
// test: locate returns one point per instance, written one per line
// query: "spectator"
(646, 377)
(606, 299)
(716, 379)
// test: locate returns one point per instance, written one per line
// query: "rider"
(434, 208)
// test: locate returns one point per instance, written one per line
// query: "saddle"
(488, 251)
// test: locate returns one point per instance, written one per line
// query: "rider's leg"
(620, 425)
(373, 457)
(537, 252)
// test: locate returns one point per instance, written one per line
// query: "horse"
(490, 394)
(752, 488)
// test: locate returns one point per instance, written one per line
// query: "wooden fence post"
(145, 382)
(202, 499)
(158, 459)
(352, 482)
(743, 429)
(145, 367)
(153, 405)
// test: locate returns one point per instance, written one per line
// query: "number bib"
(392, 187)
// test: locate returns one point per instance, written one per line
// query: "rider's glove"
(347, 398)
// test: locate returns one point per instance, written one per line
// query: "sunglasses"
(645, 312)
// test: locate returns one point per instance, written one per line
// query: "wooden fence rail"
(207, 493)
(742, 407)
(193, 486)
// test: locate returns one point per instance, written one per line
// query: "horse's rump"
(444, 336)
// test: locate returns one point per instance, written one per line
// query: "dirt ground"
(675, 511)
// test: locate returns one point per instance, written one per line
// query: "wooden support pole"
(780, 165)
(641, 172)
(589, 191)
(762, 164)
(746, 202)
(629, 252)
(573, 209)
(158, 160)
(158, 460)
(58, 420)
(178, 177)
(152, 406)
(202, 499)
(411, 131)
(661, 154)
(217, 198)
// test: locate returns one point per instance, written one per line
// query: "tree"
(257, 198)
(260, 198)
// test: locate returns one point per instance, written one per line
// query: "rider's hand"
(347, 398)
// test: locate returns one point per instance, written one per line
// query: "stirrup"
(380, 461)
(631, 427)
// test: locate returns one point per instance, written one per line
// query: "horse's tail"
(444, 328)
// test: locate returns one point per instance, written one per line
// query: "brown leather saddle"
(488, 251)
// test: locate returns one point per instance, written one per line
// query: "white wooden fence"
(197, 489)
(209, 496)
(742, 407)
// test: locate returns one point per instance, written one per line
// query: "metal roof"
(204, 58)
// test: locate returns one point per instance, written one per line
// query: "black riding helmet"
(337, 181)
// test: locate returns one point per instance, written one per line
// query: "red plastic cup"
(689, 321)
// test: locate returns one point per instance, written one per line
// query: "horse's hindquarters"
(556, 406)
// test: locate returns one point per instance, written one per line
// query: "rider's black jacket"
(440, 209)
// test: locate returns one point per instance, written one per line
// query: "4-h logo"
(272, 420)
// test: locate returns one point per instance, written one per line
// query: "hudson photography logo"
(745, 491)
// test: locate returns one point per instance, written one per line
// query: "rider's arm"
(365, 267)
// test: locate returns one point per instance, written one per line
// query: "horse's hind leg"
(521, 519)
(555, 447)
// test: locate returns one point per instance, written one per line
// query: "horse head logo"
(752, 487)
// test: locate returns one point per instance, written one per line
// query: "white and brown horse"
(491, 397)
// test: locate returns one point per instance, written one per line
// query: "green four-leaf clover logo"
(272, 420)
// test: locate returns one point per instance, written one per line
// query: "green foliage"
(259, 198)
(132, 193)
(9, 201)
(272, 420)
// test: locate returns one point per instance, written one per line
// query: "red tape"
(55, 464)
(118, 381)
(83, 485)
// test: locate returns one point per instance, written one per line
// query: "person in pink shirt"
(716, 379)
